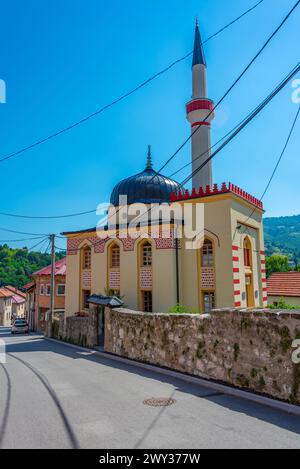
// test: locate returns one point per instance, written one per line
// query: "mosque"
(154, 270)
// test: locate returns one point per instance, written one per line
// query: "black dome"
(145, 187)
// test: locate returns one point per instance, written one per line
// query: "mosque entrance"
(249, 291)
(100, 325)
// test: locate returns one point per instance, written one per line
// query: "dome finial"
(149, 159)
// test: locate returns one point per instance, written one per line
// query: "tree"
(16, 265)
(277, 263)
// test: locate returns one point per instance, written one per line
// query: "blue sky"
(64, 59)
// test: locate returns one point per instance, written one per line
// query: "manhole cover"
(159, 401)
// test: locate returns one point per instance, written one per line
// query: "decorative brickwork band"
(74, 243)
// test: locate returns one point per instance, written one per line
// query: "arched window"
(247, 253)
(146, 254)
(86, 257)
(207, 254)
(114, 256)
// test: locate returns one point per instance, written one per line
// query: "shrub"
(281, 304)
(180, 309)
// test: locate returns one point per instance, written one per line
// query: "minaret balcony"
(203, 104)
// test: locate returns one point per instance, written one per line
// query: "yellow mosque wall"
(226, 225)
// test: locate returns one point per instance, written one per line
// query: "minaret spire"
(200, 113)
(198, 55)
(149, 158)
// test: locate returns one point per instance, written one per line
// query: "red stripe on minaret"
(235, 248)
(197, 124)
(237, 304)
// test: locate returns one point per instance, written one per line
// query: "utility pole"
(52, 290)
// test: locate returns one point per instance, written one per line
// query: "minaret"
(200, 114)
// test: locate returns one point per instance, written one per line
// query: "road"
(54, 396)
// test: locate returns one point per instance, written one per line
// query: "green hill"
(282, 235)
(16, 265)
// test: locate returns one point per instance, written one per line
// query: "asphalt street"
(54, 396)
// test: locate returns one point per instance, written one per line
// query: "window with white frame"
(48, 289)
(42, 289)
(60, 289)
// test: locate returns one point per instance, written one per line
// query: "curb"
(207, 383)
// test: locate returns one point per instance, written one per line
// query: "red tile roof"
(15, 290)
(284, 284)
(4, 293)
(18, 299)
(28, 285)
(60, 269)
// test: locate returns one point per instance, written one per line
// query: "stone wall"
(251, 350)
(77, 330)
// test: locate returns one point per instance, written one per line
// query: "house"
(18, 302)
(38, 294)
(18, 306)
(5, 306)
(30, 293)
(286, 286)
(154, 262)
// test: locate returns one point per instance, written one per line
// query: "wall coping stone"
(275, 313)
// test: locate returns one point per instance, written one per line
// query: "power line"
(234, 83)
(49, 242)
(18, 240)
(205, 152)
(282, 154)
(240, 127)
(190, 136)
(23, 233)
(47, 217)
(276, 165)
(246, 121)
(126, 95)
(36, 245)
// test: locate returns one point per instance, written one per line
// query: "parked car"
(20, 326)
